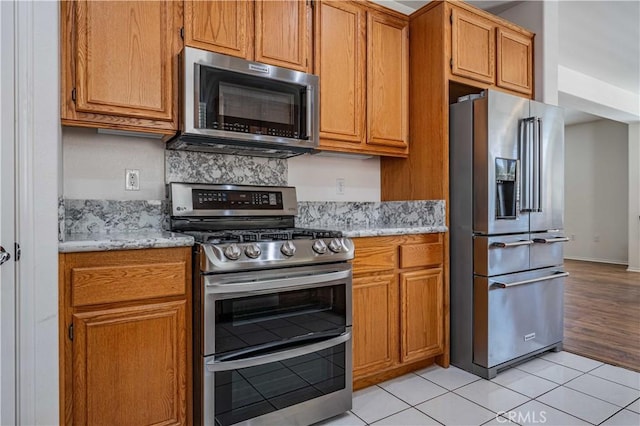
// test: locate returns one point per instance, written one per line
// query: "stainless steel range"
(272, 307)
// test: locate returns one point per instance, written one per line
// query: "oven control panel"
(210, 201)
(207, 199)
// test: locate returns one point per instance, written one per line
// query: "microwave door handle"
(310, 107)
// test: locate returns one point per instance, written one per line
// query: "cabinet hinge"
(17, 251)
(451, 17)
(71, 332)
(182, 33)
(451, 63)
(73, 94)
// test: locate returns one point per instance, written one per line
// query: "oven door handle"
(271, 284)
(213, 366)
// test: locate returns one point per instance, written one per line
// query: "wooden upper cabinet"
(340, 63)
(362, 59)
(387, 80)
(220, 26)
(515, 56)
(125, 58)
(473, 41)
(282, 34)
(276, 32)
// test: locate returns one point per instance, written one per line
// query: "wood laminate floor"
(602, 313)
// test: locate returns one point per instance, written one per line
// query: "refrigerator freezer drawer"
(501, 255)
(516, 314)
(548, 249)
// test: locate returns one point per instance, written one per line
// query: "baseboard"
(630, 269)
(591, 259)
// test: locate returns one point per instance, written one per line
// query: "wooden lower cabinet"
(125, 353)
(375, 331)
(399, 306)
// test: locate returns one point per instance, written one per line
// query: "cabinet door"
(387, 80)
(515, 61)
(282, 33)
(340, 63)
(375, 323)
(220, 26)
(422, 318)
(473, 41)
(126, 59)
(129, 365)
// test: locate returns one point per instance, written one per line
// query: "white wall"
(94, 165)
(596, 191)
(634, 197)
(316, 176)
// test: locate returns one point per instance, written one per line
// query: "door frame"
(38, 147)
(8, 385)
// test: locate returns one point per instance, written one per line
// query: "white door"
(7, 216)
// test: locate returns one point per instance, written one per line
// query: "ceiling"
(599, 38)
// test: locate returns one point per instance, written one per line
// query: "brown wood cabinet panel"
(387, 80)
(422, 317)
(282, 33)
(515, 56)
(340, 55)
(373, 258)
(130, 365)
(125, 58)
(473, 41)
(111, 284)
(375, 323)
(220, 26)
(125, 361)
(413, 255)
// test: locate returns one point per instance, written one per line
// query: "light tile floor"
(555, 389)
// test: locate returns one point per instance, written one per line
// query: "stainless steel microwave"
(233, 106)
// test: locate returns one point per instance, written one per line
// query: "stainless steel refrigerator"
(506, 231)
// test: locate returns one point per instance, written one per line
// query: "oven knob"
(319, 247)
(335, 245)
(288, 249)
(252, 251)
(232, 252)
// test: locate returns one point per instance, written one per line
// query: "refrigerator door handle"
(500, 244)
(537, 165)
(551, 240)
(525, 157)
(533, 280)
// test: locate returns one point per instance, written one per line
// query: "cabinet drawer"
(110, 284)
(374, 259)
(412, 255)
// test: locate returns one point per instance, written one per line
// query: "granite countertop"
(79, 242)
(382, 230)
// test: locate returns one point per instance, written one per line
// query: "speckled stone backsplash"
(98, 216)
(202, 167)
(329, 214)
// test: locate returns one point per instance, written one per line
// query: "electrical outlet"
(340, 183)
(596, 238)
(573, 237)
(132, 180)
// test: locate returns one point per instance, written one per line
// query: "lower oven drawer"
(296, 386)
(516, 314)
